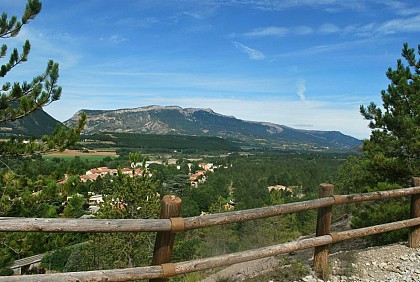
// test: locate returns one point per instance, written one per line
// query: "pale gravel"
(390, 263)
(393, 263)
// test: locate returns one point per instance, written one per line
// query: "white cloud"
(302, 30)
(280, 5)
(393, 26)
(300, 89)
(278, 31)
(253, 54)
(195, 15)
(367, 30)
(117, 39)
(138, 22)
(401, 8)
(268, 31)
(328, 28)
(400, 25)
(114, 39)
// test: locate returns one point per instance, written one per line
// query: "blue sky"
(306, 64)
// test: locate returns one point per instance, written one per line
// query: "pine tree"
(127, 197)
(393, 149)
(392, 154)
(18, 100)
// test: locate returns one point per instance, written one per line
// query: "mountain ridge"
(36, 124)
(176, 120)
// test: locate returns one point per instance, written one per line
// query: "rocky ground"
(350, 261)
(395, 262)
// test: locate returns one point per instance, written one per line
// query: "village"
(94, 201)
(196, 178)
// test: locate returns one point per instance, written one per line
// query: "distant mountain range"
(175, 120)
(36, 124)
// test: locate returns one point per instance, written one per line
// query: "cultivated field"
(92, 154)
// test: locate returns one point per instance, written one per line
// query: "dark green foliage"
(6, 258)
(219, 240)
(246, 179)
(187, 246)
(6, 271)
(177, 184)
(270, 231)
(197, 201)
(190, 207)
(393, 149)
(21, 176)
(354, 177)
(57, 259)
(387, 211)
(305, 172)
(75, 207)
(130, 197)
(18, 245)
(165, 143)
(306, 221)
(380, 212)
(250, 194)
(200, 199)
(392, 154)
(126, 198)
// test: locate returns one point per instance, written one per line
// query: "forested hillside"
(35, 189)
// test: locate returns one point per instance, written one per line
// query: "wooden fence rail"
(164, 268)
(172, 269)
(16, 224)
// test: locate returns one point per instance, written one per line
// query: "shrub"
(6, 271)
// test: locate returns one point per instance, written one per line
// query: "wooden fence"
(170, 224)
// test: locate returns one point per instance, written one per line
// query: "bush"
(6, 271)
(57, 259)
(385, 211)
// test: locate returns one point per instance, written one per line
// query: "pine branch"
(15, 59)
(30, 96)
(12, 27)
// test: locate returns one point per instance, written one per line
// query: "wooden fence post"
(414, 235)
(170, 208)
(323, 226)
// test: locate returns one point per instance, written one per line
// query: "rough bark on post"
(170, 208)
(323, 226)
(414, 236)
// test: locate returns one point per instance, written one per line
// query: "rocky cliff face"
(205, 122)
